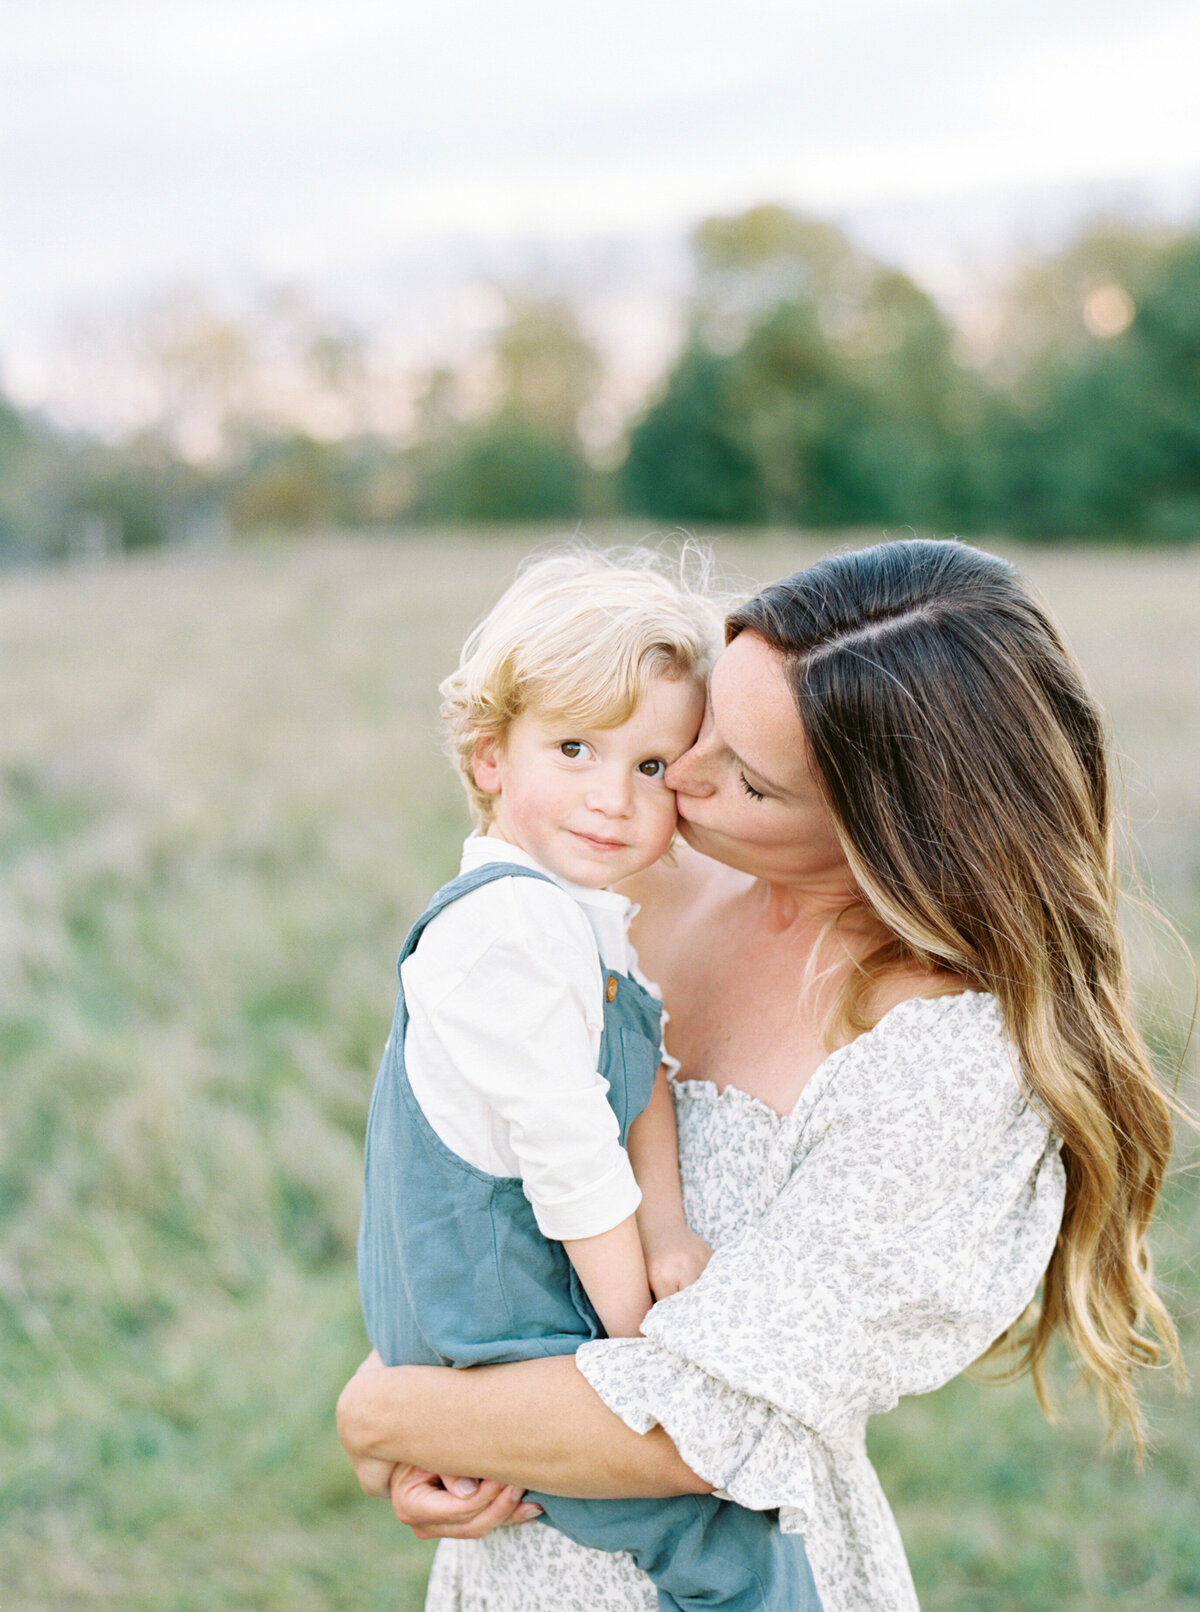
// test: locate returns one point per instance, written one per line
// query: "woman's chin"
(723, 848)
(707, 843)
(693, 835)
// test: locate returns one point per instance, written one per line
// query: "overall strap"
(462, 886)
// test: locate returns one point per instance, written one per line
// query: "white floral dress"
(871, 1243)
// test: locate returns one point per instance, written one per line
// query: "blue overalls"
(453, 1271)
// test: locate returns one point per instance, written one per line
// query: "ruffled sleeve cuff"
(749, 1450)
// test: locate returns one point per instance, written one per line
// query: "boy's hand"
(675, 1256)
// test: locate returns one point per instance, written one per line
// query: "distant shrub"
(506, 469)
(290, 485)
(687, 458)
(132, 501)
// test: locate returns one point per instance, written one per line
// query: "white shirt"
(505, 1004)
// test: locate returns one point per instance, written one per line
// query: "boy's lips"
(598, 843)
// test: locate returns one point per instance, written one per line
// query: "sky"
(349, 144)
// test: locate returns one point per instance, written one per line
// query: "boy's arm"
(675, 1255)
(613, 1272)
(507, 1069)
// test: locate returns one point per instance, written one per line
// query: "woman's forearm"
(535, 1423)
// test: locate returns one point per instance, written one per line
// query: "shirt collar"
(479, 849)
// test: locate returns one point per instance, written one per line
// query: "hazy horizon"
(389, 162)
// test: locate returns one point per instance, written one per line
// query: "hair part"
(580, 634)
(966, 770)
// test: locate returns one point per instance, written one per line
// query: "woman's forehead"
(754, 712)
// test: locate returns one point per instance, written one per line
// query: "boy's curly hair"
(579, 634)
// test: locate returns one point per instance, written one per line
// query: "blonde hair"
(966, 769)
(580, 634)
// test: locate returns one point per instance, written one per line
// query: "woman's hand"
(433, 1507)
(456, 1508)
(675, 1256)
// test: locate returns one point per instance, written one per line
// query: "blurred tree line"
(814, 386)
(819, 387)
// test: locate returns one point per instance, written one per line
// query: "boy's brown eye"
(571, 748)
(652, 769)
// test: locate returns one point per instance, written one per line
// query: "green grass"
(220, 804)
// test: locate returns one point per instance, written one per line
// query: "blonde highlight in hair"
(580, 634)
(966, 769)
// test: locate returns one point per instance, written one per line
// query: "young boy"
(522, 1182)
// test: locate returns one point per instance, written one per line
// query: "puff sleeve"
(919, 1199)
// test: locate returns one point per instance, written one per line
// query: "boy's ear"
(485, 766)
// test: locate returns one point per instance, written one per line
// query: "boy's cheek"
(670, 822)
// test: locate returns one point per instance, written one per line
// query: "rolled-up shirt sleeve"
(516, 1028)
(919, 1202)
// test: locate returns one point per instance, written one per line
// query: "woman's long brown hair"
(966, 768)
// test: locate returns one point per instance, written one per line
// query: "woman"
(910, 1091)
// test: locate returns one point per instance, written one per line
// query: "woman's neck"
(808, 909)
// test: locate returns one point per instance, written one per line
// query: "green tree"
(816, 385)
(29, 460)
(505, 468)
(137, 495)
(1103, 439)
(287, 484)
(547, 367)
(1062, 306)
(688, 456)
(524, 458)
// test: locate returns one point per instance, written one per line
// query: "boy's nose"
(611, 793)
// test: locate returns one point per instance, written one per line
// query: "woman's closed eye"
(755, 794)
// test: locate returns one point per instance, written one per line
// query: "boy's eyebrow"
(566, 721)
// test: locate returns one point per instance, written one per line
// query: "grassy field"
(220, 805)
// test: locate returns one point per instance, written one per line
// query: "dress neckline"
(821, 1074)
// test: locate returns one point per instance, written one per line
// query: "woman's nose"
(690, 774)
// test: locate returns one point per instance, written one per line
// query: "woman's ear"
(485, 766)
